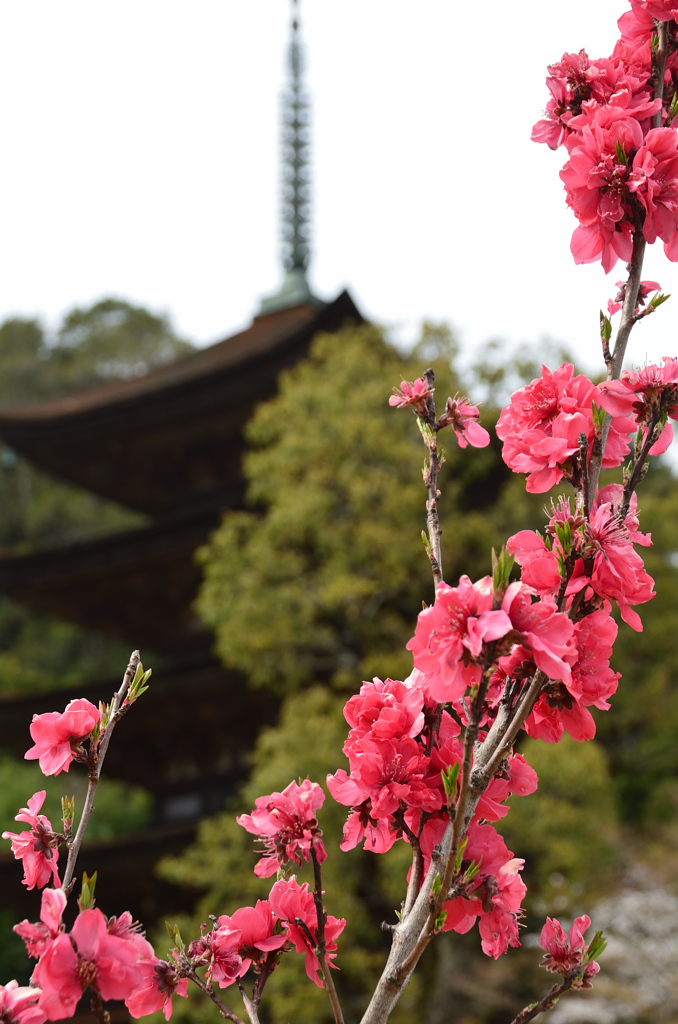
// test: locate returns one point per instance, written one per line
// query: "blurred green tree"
(320, 582)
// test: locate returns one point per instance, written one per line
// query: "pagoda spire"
(295, 160)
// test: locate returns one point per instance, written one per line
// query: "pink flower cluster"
(99, 953)
(112, 957)
(459, 413)
(606, 564)
(450, 644)
(287, 825)
(647, 394)
(540, 427)
(494, 895)
(621, 171)
(37, 848)
(288, 919)
(294, 905)
(565, 953)
(395, 790)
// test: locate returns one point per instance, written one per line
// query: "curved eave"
(136, 586)
(171, 440)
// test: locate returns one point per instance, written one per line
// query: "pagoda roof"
(190, 762)
(172, 440)
(138, 585)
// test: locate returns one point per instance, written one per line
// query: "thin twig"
(637, 474)
(584, 469)
(548, 1001)
(95, 764)
(98, 1008)
(431, 481)
(320, 946)
(628, 319)
(626, 324)
(209, 991)
(659, 67)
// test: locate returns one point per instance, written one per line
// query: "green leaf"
(67, 808)
(138, 684)
(175, 936)
(597, 946)
(598, 415)
(658, 300)
(87, 892)
(605, 327)
(460, 854)
(449, 776)
(502, 564)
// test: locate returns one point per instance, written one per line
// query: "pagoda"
(169, 444)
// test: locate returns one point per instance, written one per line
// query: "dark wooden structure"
(169, 444)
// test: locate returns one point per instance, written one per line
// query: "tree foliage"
(320, 582)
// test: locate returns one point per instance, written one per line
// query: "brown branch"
(639, 463)
(98, 1008)
(626, 324)
(320, 947)
(209, 991)
(659, 59)
(415, 875)
(431, 480)
(628, 319)
(584, 470)
(95, 765)
(548, 1001)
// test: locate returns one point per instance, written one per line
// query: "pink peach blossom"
(563, 953)
(287, 825)
(157, 981)
(412, 393)
(89, 956)
(385, 710)
(226, 965)
(546, 632)
(291, 901)
(38, 937)
(540, 427)
(55, 735)
(462, 417)
(19, 1004)
(257, 926)
(37, 848)
(448, 641)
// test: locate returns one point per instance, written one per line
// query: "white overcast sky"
(141, 141)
